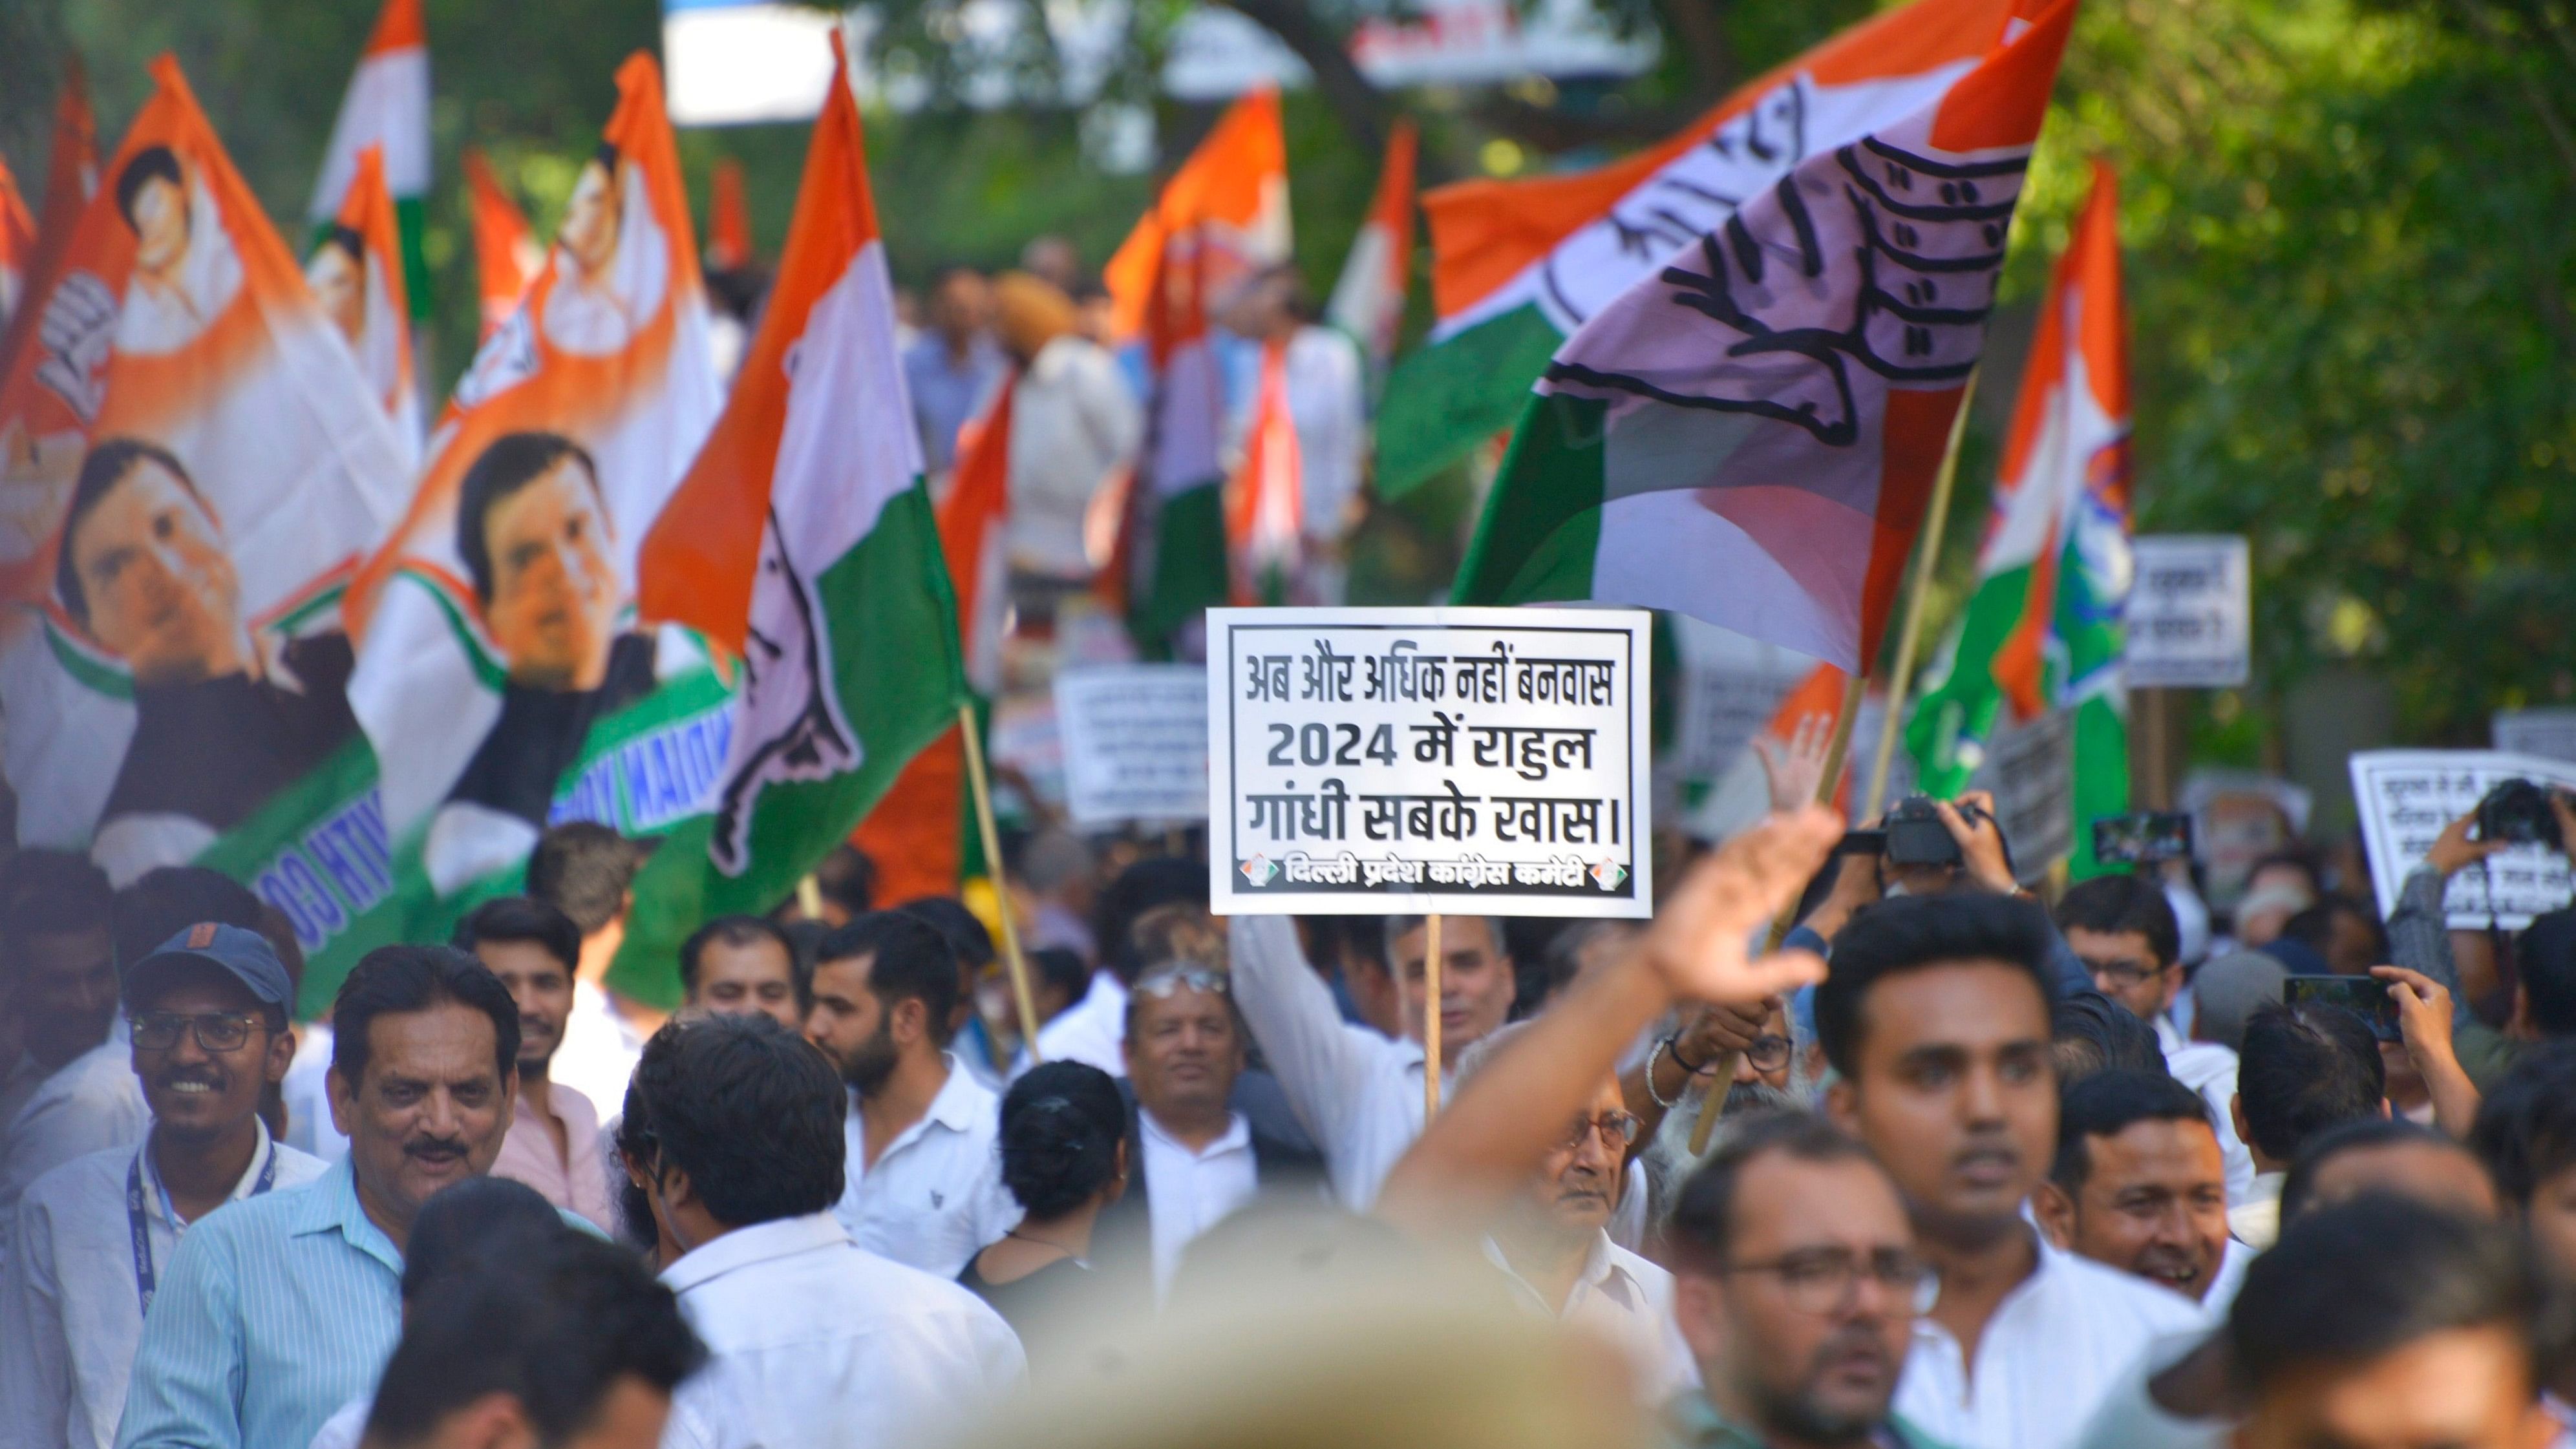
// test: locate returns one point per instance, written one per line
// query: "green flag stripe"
(1443, 400)
(1542, 524)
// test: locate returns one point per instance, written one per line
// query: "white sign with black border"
(1469, 761)
(2190, 614)
(1135, 743)
(2406, 797)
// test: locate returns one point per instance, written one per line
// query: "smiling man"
(276, 1312)
(552, 1146)
(2138, 1185)
(741, 966)
(209, 1032)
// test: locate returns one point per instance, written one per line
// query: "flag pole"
(1430, 1018)
(1828, 784)
(982, 787)
(1928, 548)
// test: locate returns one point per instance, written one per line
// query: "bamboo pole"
(1431, 1018)
(982, 788)
(1927, 548)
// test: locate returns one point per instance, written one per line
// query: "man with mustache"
(276, 1312)
(209, 1031)
(1936, 1017)
(2138, 1184)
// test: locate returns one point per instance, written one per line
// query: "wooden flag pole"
(982, 788)
(1927, 549)
(1430, 1018)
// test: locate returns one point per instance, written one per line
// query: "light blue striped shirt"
(271, 1315)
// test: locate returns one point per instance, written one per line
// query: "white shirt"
(934, 1197)
(71, 1311)
(1092, 1031)
(1358, 1093)
(1073, 424)
(1187, 1193)
(815, 1343)
(2054, 1347)
(2130, 1418)
(346, 1428)
(2256, 1221)
(2230, 1277)
(1327, 400)
(2210, 1070)
(1625, 1301)
(94, 1103)
(599, 1051)
(307, 1090)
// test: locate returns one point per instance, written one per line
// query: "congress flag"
(802, 542)
(506, 255)
(728, 220)
(1749, 436)
(17, 242)
(1265, 507)
(1368, 298)
(2043, 629)
(357, 275)
(194, 471)
(502, 671)
(1219, 221)
(387, 107)
(1518, 266)
(71, 178)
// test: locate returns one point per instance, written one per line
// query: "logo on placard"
(1260, 870)
(1608, 874)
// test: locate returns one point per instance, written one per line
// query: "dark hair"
(346, 238)
(391, 980)
(847, 878)
(1061, 967)
(150, 163)
(968, 941)
(556, 1330)
(2315, 925)
(745, 931)
(750, 1112)
(2349, 1283)
(2108, 1103)
(1154, 881)
(1061, 1125)
(1913, 932)
(50, 893)
(2306, 1068)
(1703, 1220)
(2093, 1033)
(583, 869)
(467, 1225)
(107, 465)
(911, 962)
(161, 903)
(511, 462)
(521, 918)
(2299, 1187)
(2546, 955)
(2526, 1127)
(2120, 905)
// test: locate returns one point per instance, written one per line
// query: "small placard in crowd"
(2190, 615)
(1135, 743)
(2407, 796)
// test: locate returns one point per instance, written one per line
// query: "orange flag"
(1266, 503)
(506, 256)
(728, 220)
(357, 274)
(71, 177)
(17, 242)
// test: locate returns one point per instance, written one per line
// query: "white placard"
(2190, 615)
(2405, 798)
(1473, 761)
(2548, 733)
(2030, 768)
(1135, 742)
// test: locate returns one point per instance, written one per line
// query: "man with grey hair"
(2229, 990)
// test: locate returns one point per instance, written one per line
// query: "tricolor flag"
(1368, 298)
(71, 178)
(387, 106)
(1518, 266)
(502, 671)
(1220, 221)
(356, 273)
(2043, 629)
(802, 542)
(1265, 507)
(195, 472)
(1750, 435)
(17, 242)
(728, 220)
(506, 254)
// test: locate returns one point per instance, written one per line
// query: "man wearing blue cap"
(208, 1019)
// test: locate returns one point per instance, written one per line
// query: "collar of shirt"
(1602, 1274)
(157, 1205)
(758, 1243)
(1237, 1137)
(961, 1103)
(331, 1205)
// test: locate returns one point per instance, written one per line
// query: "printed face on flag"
(337, 273)
(611, 271)
(185, 269)
(532, 528)
(144, 569)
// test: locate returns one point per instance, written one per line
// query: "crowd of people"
(1957, 1166)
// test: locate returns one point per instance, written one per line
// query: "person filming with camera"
(2537, 1003)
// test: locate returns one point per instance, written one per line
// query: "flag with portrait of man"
(191, 472)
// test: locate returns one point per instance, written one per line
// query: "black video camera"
(1916, 836)
(2517, 812)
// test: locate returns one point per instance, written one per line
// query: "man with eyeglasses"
(2124, 932)
(1795, 1281)
(207, 1015)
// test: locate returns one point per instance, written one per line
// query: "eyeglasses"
(1161, 984)
(216, 1031)
(1819, 1280)
(1617, 1129)
(2122, 973)
(1769, 1052)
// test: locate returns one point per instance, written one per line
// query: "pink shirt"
(576, 1180)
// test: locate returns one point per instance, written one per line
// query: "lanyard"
(144, 1278)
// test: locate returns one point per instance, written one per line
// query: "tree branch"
(1359, 105)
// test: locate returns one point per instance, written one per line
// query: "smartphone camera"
(2364, 996)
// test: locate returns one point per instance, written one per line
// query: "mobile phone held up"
(2149, 837)
(2364, 996)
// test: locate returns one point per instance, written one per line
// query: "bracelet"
(1661, 1047)
(1673, 1045)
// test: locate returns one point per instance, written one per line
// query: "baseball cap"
(246, 954)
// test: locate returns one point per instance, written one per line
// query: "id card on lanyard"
(145, 1279)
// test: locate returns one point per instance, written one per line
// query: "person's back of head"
(1062, 1124)
(2227, 992)
(967, 939)
(2108, 1103)
(539, 1350)
(584, 869)
(2342, 931)
(2526, 1126)
(1153, 881)
(163, 902)
(2093, 1033)
(2304, 1069)
(1059, 969)
(2546, 956)
(2386, 1155)
(2115, 905)
(1913, 933)
(494, 1221)
(751, 1113)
